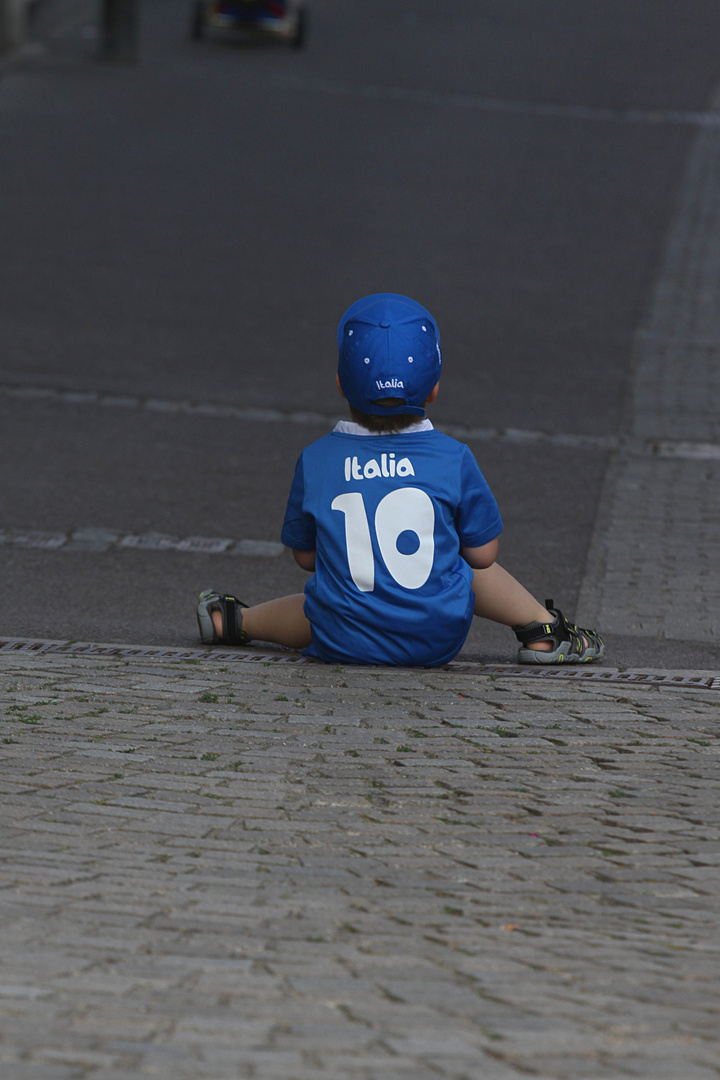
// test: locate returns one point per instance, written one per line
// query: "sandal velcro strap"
(230, 611)
(230, 621)
(534, 631)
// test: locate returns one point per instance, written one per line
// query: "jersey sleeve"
(478, 518)
(298, 531)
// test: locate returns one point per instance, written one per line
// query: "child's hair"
(384, 425)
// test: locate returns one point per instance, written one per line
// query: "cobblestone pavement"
(653, 569)
(218, 871)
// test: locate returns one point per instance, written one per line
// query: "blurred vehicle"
(286, 21)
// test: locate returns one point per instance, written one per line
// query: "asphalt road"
(190, 230)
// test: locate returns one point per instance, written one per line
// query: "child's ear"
(337, 380)
(432, 395)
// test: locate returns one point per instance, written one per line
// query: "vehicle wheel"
(197, 24)
(301, 30)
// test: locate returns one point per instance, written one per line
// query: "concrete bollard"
(118, 41)
(13, 23)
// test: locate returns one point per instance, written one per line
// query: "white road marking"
(104, 539)
(181, 407)
(480, 103)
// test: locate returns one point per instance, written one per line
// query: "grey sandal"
(567, 639)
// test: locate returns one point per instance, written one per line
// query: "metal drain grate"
(596, 675)
(29, 647)
(147, 652)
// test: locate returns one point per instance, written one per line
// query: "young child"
(395, 522)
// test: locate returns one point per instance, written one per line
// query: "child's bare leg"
(281, 621)
(502, 599)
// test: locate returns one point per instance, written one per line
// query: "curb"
(32, 647)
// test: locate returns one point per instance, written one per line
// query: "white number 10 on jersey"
(407, 509)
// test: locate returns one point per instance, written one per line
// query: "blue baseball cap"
(389, 347)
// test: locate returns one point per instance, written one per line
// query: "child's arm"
(306, 560)
(477, 557)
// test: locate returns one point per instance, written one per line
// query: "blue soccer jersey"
(387, 515)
